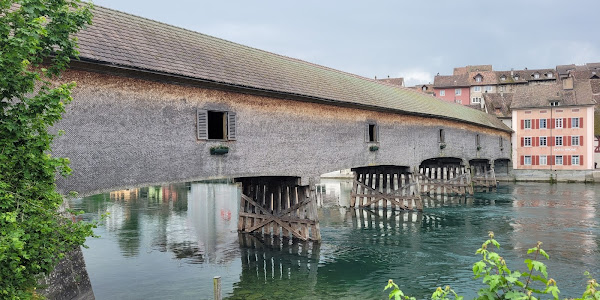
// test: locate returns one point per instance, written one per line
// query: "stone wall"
(123, 132)
(69, 280)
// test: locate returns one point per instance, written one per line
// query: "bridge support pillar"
(445, 179)
(386, 186)
(278, 206)
(484, 175)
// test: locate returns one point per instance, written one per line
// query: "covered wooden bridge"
(156, 104)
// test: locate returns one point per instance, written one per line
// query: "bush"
(502, 283)
(36, 44)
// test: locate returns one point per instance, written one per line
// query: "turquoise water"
(169, 242)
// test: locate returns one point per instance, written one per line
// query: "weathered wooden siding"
(123, 132)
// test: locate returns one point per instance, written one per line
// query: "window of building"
(476, 100)
(502, 88)
(516, 77)
(443, 93)
(543, 141)
(503, 78)
(488, 88)
(216, 125)
(527, 160)
(543, 160)
(559, 160)
(575, 140)
(575, 122)
(457, 92)
(554, 103)
(575, 160)
(372, 133)
(477, 89)
(558, 123)
(536, 75)
(527, 142)
(543, 124)
(549, 75)
(478, 78)
(500, 142)
(424, 88)
(442, 136)
(527, 124)
(558, 141)
(477, 141)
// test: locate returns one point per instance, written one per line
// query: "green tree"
(36, 43)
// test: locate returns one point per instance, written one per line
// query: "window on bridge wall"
(372, 133)
(216, 125)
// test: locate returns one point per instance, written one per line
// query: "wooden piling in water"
(391, 187)
(280, 207)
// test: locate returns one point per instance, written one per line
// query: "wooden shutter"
(377, 133)
(202, 124)
(580, 122)
(522, 142)
(367, 132)
(568, 125)
(231, 126)
(568, 160)
(581, 140)
(522, 160)
(522, 124)
(551, 160)
(568, 141)
(581, 160)
(552, 123)
(565, 121)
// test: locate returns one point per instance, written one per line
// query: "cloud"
(414, 76)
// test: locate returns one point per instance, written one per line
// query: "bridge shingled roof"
(124, 40)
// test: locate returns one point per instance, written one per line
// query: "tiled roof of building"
(442, 81)
(487, 78)
(523, 76)
(394, 81)
(540, 95)
(498, 104)
(468, 69)
(123, 40)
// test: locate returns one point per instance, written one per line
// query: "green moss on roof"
(122, 39)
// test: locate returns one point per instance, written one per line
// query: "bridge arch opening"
(502, 166)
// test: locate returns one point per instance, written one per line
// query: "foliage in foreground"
(36, 44)
(503, 283)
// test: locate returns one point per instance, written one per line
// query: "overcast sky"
(411, 39)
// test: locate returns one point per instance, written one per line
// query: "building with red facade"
(554, 126)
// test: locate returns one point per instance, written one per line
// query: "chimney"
(512, 72)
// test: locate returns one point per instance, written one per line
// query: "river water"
(168, 242)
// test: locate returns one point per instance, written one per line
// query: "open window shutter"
(552, 123)
(522, 124)
(522, 160)
(568, 162)
(580, 122)
(568, 140)
(231, 126)
(202, 124)
(568, 125)
(581, 140)
(522, 141)
(565, 122)
(551, 160)
(537, 123)
(377, 133)
(581, 160)
(367, 132)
